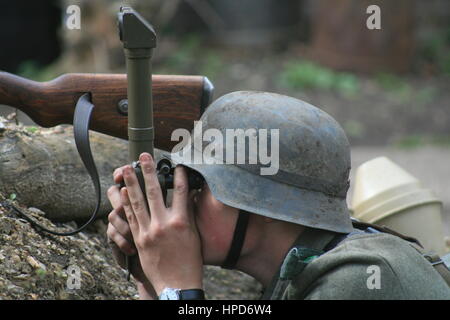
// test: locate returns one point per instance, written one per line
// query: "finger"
(114, 197)
(123, 244)
(136, 197)
(118, 175)
(180, 190)
(113, 194)
(152, 186)
(131, 218)
(119, 221)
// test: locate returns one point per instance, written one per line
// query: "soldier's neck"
(264, 255)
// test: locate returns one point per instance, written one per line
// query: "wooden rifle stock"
(178, 101)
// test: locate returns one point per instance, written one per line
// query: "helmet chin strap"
(238, 240)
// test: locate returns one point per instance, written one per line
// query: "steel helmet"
(310, 185)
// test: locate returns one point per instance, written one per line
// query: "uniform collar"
(309, 244)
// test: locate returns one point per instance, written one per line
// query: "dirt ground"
(34, 266)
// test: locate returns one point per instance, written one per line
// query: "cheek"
(212, 226)
(215, 226)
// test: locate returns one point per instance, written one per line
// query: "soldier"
(290, 230)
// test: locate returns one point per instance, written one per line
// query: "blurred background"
(388, 88)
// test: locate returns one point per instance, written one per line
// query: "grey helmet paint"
(311, 184)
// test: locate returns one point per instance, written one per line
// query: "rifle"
(178, 101)
(123, 106)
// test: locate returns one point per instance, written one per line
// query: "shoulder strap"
(364, 225)
(433, 258)
(437, 263)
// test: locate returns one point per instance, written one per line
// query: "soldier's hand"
(166, 239)
(119, 233)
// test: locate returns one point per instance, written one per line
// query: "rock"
(37, 211)
(34, 263)
(15, 289)
(11, 116)
(22, 276)
(58, 129)
(16, 259)
(5, 226)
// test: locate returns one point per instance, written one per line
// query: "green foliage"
(347, 84)
(306, 74)
(185, 53)
(354, 128)
(445, 64)
(400, 89)
(41, 273)
(410, 142)
(192, 55)
(417, 141)
(426, 95)
(31, 129)
(32, 70)
(12, 196)
(390, 81)
(212, 65)
(435, 49)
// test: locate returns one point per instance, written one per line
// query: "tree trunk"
(43, 170)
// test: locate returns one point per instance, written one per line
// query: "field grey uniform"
(347, 271)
